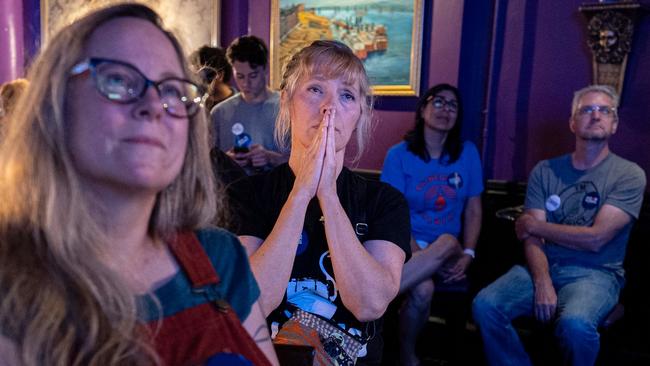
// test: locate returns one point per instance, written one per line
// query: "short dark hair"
(214, 57)
(415, 138)
(249, 49)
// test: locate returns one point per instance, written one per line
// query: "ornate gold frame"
(411, 88)
(192, 41)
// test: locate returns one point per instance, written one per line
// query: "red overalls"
(202, 334)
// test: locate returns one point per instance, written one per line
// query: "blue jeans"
(585, 297)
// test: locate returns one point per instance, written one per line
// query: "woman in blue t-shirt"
(441, 178)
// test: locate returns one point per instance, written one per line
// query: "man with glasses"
(245, 122)
(579, 210)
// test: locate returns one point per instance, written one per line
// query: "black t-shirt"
(376, 210)
(237, 190)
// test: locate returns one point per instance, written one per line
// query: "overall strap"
(359, 209)
(194, 260)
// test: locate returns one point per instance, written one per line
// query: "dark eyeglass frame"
(591, 108)
(90, 65)
(439, 102)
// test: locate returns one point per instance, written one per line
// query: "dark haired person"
(244, 123)
(441, 178)
(212, 67)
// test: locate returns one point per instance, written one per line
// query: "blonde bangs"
(331, 60)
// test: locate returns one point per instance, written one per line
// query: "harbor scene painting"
(384, 34)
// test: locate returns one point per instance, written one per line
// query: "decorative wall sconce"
(610, 27)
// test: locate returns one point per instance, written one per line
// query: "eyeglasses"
(123, 83)
(589, 109)
(440, 102)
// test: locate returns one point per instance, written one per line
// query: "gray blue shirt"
(255, 119)
(573, 197)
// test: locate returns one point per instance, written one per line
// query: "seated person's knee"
(449, 245)
(572, 329)
(482, 304)
(421, 294)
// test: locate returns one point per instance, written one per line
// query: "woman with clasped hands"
(327, 241)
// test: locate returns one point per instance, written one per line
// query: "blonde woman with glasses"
(106, 256)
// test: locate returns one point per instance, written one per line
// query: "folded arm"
(545, 295)
(609, 221)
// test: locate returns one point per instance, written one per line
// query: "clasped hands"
(316, 172)
(456, 268)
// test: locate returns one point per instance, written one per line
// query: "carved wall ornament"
(610, 30)
(610, 37)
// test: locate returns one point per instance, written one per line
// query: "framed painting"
(195, 22)
(385, 34)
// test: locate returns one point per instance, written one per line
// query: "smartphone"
(241, 149)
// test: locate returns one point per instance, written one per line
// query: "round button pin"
(553, 202)
(237, 129)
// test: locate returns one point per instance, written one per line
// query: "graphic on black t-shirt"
(326, 290)
(303, 243)
(318, 297)
(376, 210)
(579, 204)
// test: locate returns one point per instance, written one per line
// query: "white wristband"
(470, 252)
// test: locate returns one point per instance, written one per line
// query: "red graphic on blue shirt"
(439, 191)
(440, 203)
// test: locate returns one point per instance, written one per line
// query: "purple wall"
(544, 59)
(633, 136)
(11, 40)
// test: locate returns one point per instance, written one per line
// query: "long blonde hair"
(59, 303)
(9, 93)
